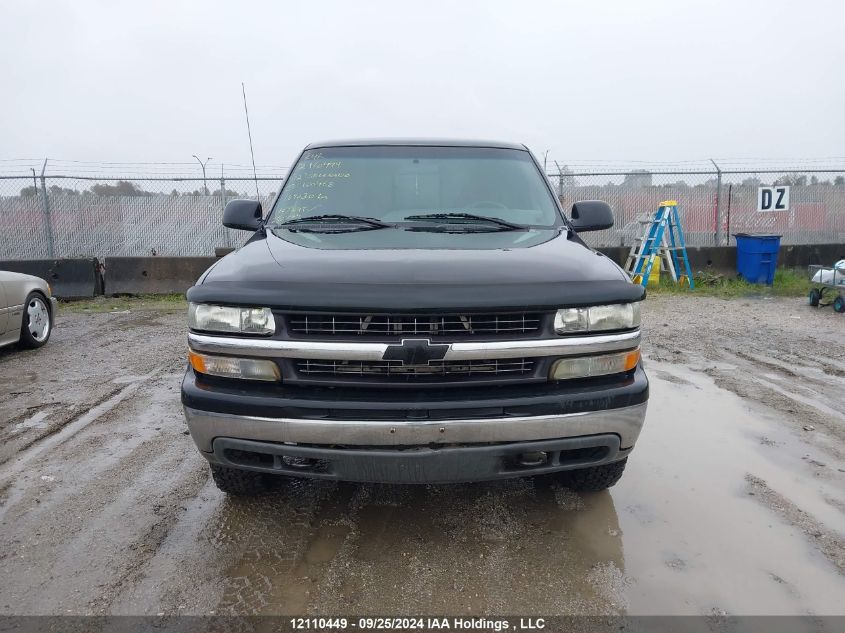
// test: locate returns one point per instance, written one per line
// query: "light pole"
(203, 164)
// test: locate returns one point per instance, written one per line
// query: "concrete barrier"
(720, 259)
(153, 275)
(805, 255)
(68, 278)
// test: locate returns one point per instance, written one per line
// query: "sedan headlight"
(230, 319)
(620, 316)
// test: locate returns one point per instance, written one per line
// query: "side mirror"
(242, 214)
(591, 215)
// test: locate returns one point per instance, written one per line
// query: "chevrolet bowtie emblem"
(416, 351)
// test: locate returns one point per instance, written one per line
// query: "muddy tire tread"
(594, 478)
(237, 482)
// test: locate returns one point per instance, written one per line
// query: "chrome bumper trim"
(526, 348)
(625, 422)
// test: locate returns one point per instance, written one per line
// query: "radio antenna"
(252, 153)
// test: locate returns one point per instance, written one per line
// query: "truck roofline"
(416, 142)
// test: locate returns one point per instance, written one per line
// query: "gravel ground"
(733, 501)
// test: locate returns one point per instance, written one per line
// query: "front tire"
(594, 478)
(237, 482)
(37, 322)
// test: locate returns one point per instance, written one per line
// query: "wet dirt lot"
(733, 501)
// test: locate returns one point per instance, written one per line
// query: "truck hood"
(558, 272)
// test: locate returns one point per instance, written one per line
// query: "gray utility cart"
(827, 280)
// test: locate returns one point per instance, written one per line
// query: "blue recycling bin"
(757, 257)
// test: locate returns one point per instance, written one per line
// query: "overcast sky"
(626, 80)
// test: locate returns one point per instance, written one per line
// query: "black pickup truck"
(415, 311)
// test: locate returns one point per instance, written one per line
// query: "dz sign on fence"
(773, 198)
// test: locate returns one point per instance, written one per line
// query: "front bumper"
(419, 464)
(624, 423)
(425, 437)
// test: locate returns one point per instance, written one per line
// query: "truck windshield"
(418, 187)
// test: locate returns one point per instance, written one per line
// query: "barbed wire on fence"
(140, 209)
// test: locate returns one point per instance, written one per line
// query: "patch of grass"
(788, 283)
(171, 303)
(792, 282)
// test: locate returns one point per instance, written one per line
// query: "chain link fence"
(713, 205)
(67, 216)
(79, 214)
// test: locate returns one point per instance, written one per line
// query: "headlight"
(589, 366)
(621, 316)
(228, 367)
(228, 319)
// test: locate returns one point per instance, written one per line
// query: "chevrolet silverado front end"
(415, 312)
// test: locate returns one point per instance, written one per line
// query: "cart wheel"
(839, 304)
(814, 297)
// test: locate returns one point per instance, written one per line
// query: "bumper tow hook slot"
(535, 458)
(298, 462)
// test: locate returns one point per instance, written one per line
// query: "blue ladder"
(663, 238)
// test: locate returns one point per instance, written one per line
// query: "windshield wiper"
(336, 218)
(470, 218)
(456, 228)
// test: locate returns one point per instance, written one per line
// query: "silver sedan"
(27, 310)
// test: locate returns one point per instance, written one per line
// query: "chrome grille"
(413, 324)
(389, 368)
